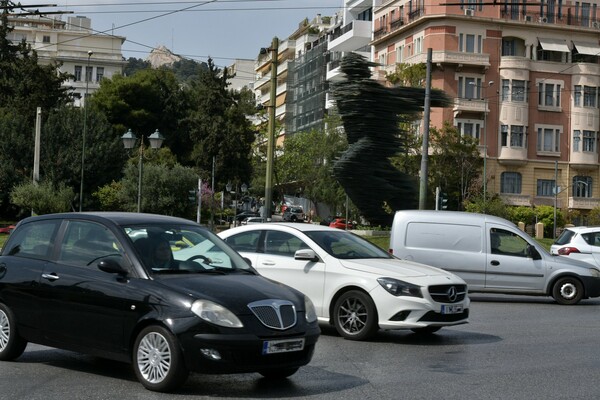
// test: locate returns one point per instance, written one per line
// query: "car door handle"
(50, 277)
(268, 263)
(495, 262)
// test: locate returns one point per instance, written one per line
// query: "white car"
(579, 243)
(354, 285)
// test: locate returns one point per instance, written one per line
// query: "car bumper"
(591, 285)
(404, 312)
(214, 353)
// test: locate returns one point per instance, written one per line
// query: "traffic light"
(192, 196)
(443, 201)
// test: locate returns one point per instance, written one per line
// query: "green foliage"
(522, 214)
(545, 215)
(134, 65)
(593, 217)
(43, 198)
(109, 197)
(307, 160)
(405, 74)
(493, 206)
(218, 127)
(454, 164)
(185, 70)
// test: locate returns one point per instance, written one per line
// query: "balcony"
(583, 203)
(516, 199)
(584, 161)
(350, 37)
(452, 57)
(512, 156)
(470, 105)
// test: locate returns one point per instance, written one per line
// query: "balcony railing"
(517, 14)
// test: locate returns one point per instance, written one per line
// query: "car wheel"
(11, 344)
(281, 373)
(567, 291)
(158, 361)
(428, 330)
(355, 316)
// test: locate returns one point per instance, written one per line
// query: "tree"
(454, 164)
(134, 65)
(43, 198)
(307, 160)
(219, 128)
(412, 75)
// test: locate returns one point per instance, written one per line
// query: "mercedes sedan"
(159, 292)
(354, 285)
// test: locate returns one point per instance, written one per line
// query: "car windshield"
(183, 249)
(345, 245)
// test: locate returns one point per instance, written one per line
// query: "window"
(46, 39)
(506, 243)
(418, 45)
(247, 241)
(589, 141)
(545, 187)
(469, 88)
(576, 140)
(510, 182)
(504, 135)
(34, 240)
(582, 186)
(577, 95)
(505, 89)
(77, 73)
(99, 73)
(516, 136)
(88, 73)
(85, 242)
(548, 140)
(283, 244)
(509, 47)
(549, 94)
(399, 53)
(518, 90)
(469, 43)
(471, 129)
(589, 96)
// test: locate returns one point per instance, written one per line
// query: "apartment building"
(525, 78)
(86, 54)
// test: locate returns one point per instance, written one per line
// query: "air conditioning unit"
(528, 18)
(543, 20)
(469, 12)
(596, 24)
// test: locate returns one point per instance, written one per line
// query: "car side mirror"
(247, 261)
(533, 253)
(306, 254)
(111, 266)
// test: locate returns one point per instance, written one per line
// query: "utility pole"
(274, 49)
(425, 151)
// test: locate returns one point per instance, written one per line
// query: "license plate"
(452, 308)
(282, 346)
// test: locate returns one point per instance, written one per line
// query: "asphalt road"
(513, 348)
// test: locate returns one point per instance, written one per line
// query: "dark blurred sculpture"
(371, 114)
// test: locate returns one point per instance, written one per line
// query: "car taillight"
(565, 251)
(391, 251)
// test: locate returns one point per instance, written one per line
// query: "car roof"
(583, 229)
(118, 218)
(302, 227)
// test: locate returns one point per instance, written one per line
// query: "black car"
(160, 292)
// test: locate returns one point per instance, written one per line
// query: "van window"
(507, 243)
(438, 236)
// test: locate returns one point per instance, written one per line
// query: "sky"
(225, 30)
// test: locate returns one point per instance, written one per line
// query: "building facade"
(525, 78)
(87, 55)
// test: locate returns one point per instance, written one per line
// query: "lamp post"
(485, 113)
(274, 49)
(229, 187)
(85, 98)
(129, 139)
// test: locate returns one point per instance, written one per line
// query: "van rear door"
(508, 266)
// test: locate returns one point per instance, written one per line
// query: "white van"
(491, 254)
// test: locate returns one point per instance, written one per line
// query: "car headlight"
(309, 310)
(216, 314)
(595, 273)
(400, 288)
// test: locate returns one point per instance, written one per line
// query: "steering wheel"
(204, 259)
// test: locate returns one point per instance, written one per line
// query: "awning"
(554, 45)
(590, 49)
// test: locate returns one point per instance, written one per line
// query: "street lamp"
(274, 49)
(485, 113)
(129, 140)
(230, 189)
(85, 98)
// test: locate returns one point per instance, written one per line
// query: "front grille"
(275, 314)
(448, 293)
(433, 316)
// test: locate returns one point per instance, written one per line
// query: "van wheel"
(355, 316)
(567, 291)
(11, 344)
(157, 360)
